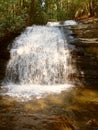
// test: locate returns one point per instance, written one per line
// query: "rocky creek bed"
(76, 109)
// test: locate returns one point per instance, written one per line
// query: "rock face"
(4, 56)
(4, 53)
(87, 53)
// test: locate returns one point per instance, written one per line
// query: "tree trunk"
(32, 12)
(91, 8)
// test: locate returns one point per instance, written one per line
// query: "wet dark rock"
(4, 52)
(77, 53)
(60, 123)
(90, 33)
(86, 53)
(92, 124)
(86, 30)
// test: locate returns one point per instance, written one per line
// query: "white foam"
(54, 24)
(27, 91)
(64, 23)
(70, 22)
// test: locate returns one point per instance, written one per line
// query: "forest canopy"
(16, 14)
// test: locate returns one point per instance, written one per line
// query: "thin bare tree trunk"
(32, 11)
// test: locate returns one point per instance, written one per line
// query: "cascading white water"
(38, 56)
(38, 63)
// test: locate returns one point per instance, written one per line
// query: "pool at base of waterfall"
(74, 109)
(28, 92)
(40, 63)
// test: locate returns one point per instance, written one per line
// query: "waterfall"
(38, 62)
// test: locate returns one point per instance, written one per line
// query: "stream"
(71, 106)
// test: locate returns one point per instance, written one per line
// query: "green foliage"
(12, 17)
(16, 14)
